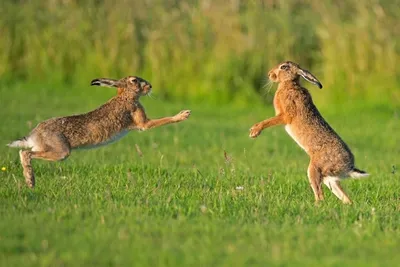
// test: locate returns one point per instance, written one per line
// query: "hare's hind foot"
(26, 157)
(333, 183)
(27, 168)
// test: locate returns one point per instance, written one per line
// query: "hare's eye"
(284, 67)
(133, 80)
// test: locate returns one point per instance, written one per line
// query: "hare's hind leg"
(333, 183)
(57, 149)
(315, 178)
(25, 156)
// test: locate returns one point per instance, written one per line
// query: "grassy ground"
(184, 203)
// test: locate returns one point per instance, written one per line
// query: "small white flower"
(203, 208)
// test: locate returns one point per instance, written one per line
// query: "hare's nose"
(144, 84)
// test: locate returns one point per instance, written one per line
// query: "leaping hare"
(331, 159)
(53, 139)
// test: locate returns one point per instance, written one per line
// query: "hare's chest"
(115, 137)
(295, 136)
(277, 105)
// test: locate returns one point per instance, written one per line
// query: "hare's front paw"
(183, 115)
(255, 130)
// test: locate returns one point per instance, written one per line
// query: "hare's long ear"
(104, 82)
(309, 77)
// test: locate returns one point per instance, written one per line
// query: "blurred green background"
(216, 51)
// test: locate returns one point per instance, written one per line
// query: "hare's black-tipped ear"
(309, 77)
(104, 82)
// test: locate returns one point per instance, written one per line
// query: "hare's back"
(320, 141)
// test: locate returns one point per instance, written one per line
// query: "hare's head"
(290, 71)
(130, 84)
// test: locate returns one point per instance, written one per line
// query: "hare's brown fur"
(330, 157)
(54, 139)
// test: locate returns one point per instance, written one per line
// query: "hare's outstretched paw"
(183, 115)
(255, 130)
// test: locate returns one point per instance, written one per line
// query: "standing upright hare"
(53, 139)
(331, 159)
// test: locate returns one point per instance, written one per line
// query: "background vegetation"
(219, 50)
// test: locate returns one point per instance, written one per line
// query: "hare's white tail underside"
(358, 174)
(23, 143)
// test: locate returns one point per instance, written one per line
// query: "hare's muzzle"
(146, 88)
(272, 76)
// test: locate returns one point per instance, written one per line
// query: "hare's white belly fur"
(113, 139)
(289, 130)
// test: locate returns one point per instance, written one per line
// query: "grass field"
(184, 203)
